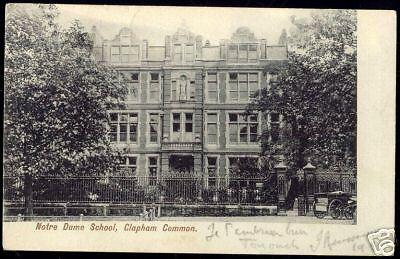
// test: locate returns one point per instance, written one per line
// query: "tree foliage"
(56, 97)
(316, 92)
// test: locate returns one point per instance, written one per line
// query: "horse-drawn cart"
(338, 205)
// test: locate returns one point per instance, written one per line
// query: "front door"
(181, 184)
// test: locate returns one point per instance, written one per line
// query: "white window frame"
(118, 142)
(149, 85)
(206, 93)
(182, 122)
(237, 51)
(228, 97)
(227, 141)
(148, 143)
(206, 128)
(119, 46)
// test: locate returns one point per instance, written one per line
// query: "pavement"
(264, 219)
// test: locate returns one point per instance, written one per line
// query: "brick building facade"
(185, 109)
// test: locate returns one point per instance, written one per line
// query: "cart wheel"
(335, 208)
(348, 213)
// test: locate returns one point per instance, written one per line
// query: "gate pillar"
(281, 179)
(309, 181)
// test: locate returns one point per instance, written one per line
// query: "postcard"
(199, 130)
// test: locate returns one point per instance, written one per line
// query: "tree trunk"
(28, 195)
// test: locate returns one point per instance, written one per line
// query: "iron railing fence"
(143, 189)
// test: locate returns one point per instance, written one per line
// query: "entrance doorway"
(181, 185)
(181, 165)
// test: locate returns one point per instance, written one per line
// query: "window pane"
(113, 132)
(232, 161)
(233, 96)
(253, 128)
(132, 132)
(253, 137)
(253, 117)
(176, 117)
(243, 47)
(233, 117)
(243, 128)
(133, 117)
(134, 76)
(125, 50)
(253, 47)
(233, 86)
(189, 116)
(212, 77)
(123, 117)
(132, 160)
(152, 160)
(253, 87)
(114, 116)
(122, 132)
(176, 127)
(212, 86)
(242, 118)
(153, 118)
(233, 76)
(212, 161)
(243, 87)
(154, 76)
(233, 133)
(253, 77)
(114, 50)
(243, 96)
(189, 127)
(212, 139)
(212, 96)
(243, 78)
(212, 117)
(212, 129)
(124, 58)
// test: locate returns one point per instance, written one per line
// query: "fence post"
(159, 211)
(281, 170)
(81, 217)
(105, 210)
(309, 181)
(65, 209)
(19, 217)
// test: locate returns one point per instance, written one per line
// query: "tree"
(316, 93)
(56, 99)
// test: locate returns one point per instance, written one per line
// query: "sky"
(154, 23)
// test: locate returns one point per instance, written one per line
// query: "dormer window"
(242, 53)
(189, 53)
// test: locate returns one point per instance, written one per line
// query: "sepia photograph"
(176, 114)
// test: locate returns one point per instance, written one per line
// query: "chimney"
(168, 47)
